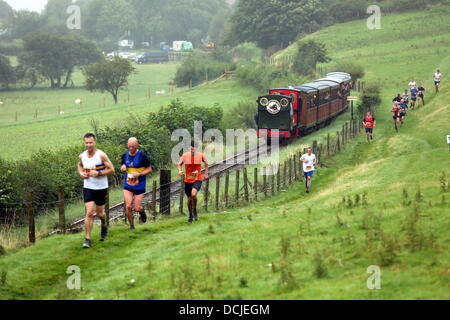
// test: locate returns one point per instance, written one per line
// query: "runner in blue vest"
(136, 166)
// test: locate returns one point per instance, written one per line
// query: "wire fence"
(230, 188)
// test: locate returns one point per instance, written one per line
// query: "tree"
(308, 55)
(55, 57)
(7, 73)
(6, 12)
(24, 23)
(109, 76)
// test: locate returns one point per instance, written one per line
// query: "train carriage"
(295, 111)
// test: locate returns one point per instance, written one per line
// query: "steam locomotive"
(296, 111)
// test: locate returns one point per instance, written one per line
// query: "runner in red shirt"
(369, 123)
(193, 180)
(396, 111)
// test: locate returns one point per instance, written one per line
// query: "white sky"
(33, 5)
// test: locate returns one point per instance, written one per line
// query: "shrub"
(242, 116)
(370, 99)
(353, 68)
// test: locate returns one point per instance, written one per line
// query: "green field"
(53, 130)
(296, 246)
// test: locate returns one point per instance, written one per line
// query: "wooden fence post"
(217, 192)
(255, 183)
(61, 208)
(265, 181)
(290, 170)
(328, 144)
(181, 194)
(278, 177)
(31, 224)
(206, 194)
(343, 136)
(346, 132)
(338, 144)
(164, 191)
(237, 187)
(246, 197)
(227, 181)
(153, 207)
(284, 174)
(272, 180)
(294, 159)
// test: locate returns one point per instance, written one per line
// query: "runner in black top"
(421, 94)
(398, 98)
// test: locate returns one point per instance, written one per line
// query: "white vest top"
(94, 163)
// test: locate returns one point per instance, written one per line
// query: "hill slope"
(292, 246)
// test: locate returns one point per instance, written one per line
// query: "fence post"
(237, 187)
(227, 181)
(265, 181)
(255, 183)
(272, 180)
(343, 136)
(217, 192)
(181, 194)
(246, 185)
(328, 144)
(290, 170)
(61, 208)
(278, 177)
(338, 142)
(284, 174)
(164, 191)
(206, 194)
(153, 207)
(346, 132)
(30, 211)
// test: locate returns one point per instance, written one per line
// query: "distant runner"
(94, 166)
(414, 93)
(309, 160)
(193, 180)
(396, 111)
(406, 96)
(412, 84)
(421, 94)
(369, 123)
(403, 107)
(397, 98)
(437, 80)
(136, 166)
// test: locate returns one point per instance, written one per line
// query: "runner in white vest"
(309, 160)
(93, 167)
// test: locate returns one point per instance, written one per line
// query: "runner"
(406, 96)
(309, 160)
(421, 94)
(369, 123)
(397, 98)
(94, 166)
(396, 110)
(403, 107)
(193, 180)
(136, 166)
(437, 80)
(414, 93)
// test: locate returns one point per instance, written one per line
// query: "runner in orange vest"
(193, 179)
(369, 123)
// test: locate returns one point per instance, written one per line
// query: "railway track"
(232, 163)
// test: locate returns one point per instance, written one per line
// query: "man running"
(403, 107)
(136, 166)
(309, 160)
(406, 96)
(421, 93)
(396, 110)
(193, 180)
(414, 93)
(94, 166)
(437, 80)
(397, 98)
(369, 123)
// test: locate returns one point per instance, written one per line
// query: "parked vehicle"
(153, 57)
(182, 46)
(126, 44)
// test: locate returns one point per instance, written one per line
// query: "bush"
(353, 68)
(198, 66)
(247, 51)
(13, 48)
(369, 99)
(242, 116)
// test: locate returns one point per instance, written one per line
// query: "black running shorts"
(97, 196)
(189, 186)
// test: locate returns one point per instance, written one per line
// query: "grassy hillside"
(52, 130)
(294, 245)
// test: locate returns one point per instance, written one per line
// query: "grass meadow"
(385, 203)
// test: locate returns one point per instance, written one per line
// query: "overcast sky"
(33, 5)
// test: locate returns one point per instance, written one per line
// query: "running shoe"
(132, 227)
(87, 243)
(196, 218)
(143, 216)
(104, 233)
